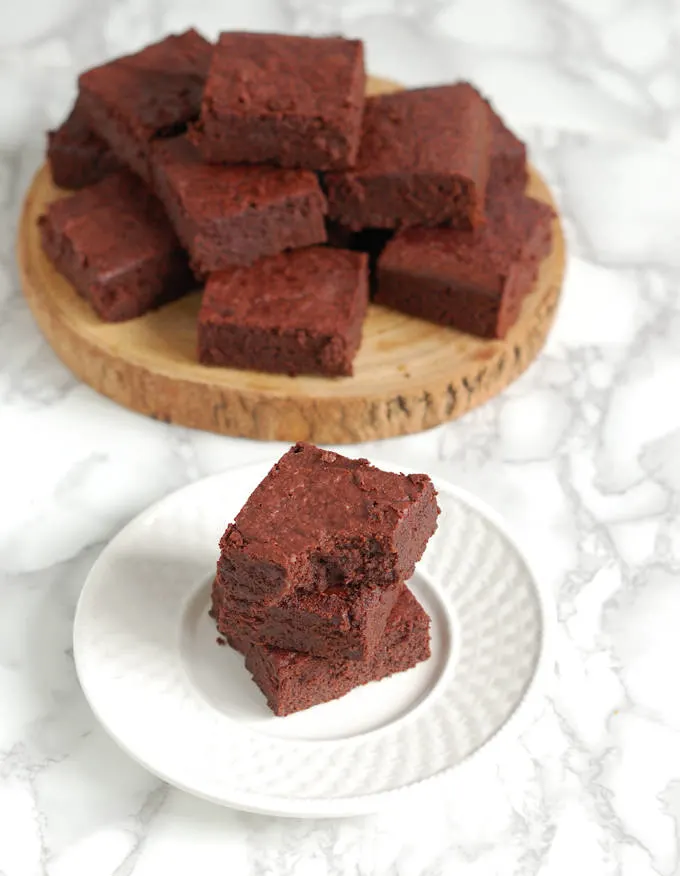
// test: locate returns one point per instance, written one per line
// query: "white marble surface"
(582, 456)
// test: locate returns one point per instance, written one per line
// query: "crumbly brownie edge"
(416, 528)
(353, 634)
(389, 202)
(464, 307)
(238, 241)
(289, 352)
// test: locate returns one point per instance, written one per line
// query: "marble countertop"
(582, 456)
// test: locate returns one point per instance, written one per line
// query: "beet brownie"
(423, 160)
(76, 155)
(292, 681)
(286, 100)
(300, 312)
(472, 281)
(138, 98)
(319, 519)
(113, 242)
(234, 215)
(344, 621)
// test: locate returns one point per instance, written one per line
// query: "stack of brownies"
(310, 580)
(257, 168)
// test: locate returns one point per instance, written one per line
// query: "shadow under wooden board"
(409, 375)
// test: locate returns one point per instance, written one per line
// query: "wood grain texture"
(410, 375)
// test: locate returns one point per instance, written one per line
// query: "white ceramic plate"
(187, 709)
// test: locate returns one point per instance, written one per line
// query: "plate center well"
(218, 675)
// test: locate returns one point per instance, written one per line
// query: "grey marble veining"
(582, 457)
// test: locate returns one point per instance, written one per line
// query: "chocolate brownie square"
(114, 243)
(300, 312)
(133, 100)
(423, 160)
(344, 621)
(235, 215)
(77, 156)
(291, 101)
(319, 519)
(473, 281)
(292, 681)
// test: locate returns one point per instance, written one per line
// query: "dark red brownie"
(76, 155)
(286, 100)
(343, 622)
(423, 160)
(508, 157)
(292, 681)
(155, 93)
(113, 242)
(472, 281)
(319, 519)
(300, 312)
(235, 215)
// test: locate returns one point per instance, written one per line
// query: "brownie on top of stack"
(310, 579)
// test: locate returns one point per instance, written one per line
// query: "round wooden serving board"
(409, 375)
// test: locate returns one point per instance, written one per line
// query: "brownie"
(300, 312)
(76, 155)
(292, 681)
(234, 215)
(114, 244)
(287, 100)
(319, 519)
(423, 160)
(472, 281)
(133, 100)
(344, 621)
(508, 168)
